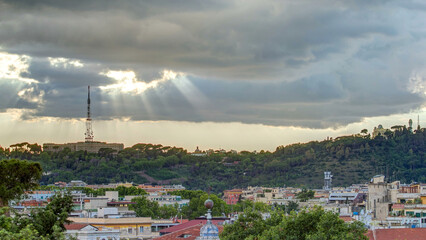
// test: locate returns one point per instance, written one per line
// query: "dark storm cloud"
(9, 98)
(69, 77)
(304, 63)
(142, 8)
(312, 89)
(322, 101)
(273, 36)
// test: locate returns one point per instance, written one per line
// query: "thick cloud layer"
(294, 63)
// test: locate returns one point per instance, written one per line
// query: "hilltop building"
(91, 147)
(88, 145)
(379, 131)
(199, 153)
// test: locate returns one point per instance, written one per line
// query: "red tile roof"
(188, 233)
(398, 206)
(181, 220)
(191, 233)
(75, 226)
(347, 219)
(398, 234)
(188, 224)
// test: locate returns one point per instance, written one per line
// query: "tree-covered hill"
(400, 155)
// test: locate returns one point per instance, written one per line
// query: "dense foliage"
(16, 177)
(399, 154)
(309, 225)
(196, 208)
(43, 223)
(305, 195)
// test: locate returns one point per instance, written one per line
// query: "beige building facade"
(379, 197)
(91, 147)
(129, 228)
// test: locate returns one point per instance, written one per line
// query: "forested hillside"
(400, 155)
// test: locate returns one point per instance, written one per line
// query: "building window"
(184, 236)
(129, 230)
(141, 229)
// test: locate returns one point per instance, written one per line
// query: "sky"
(218, 74)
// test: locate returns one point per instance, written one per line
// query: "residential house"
(129, 228)
(232, 196)
(83, 231)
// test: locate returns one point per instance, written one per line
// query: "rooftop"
(75, 226)
(185, 225)
(106, 221)
(398, 234)
(188, 232)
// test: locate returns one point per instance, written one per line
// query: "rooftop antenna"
(89, 132)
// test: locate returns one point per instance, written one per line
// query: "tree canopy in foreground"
(17, 176)
(314, 224)
(42, 224)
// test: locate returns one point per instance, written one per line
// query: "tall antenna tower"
(89, 132)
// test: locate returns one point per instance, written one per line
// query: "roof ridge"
(186, 228)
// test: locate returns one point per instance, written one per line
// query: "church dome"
(209, 230)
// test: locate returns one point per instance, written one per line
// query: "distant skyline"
(231, 74)
(189, 135)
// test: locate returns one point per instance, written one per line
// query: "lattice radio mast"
(89, 132)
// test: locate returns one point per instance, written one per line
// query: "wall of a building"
(92, 147)
(378, 200)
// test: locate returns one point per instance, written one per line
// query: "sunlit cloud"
(417, 84)
(12, 66)
(32, 95)
(336, 72)
(65, 62)
(19, 115)
(127, 81)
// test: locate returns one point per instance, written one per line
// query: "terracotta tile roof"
(398, 206)
(75, 226)
(347, 219)
(398, 234)
(189, 224)
(182, 220)
(188, 233)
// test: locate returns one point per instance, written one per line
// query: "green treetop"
(17, 176)
(314, 224)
